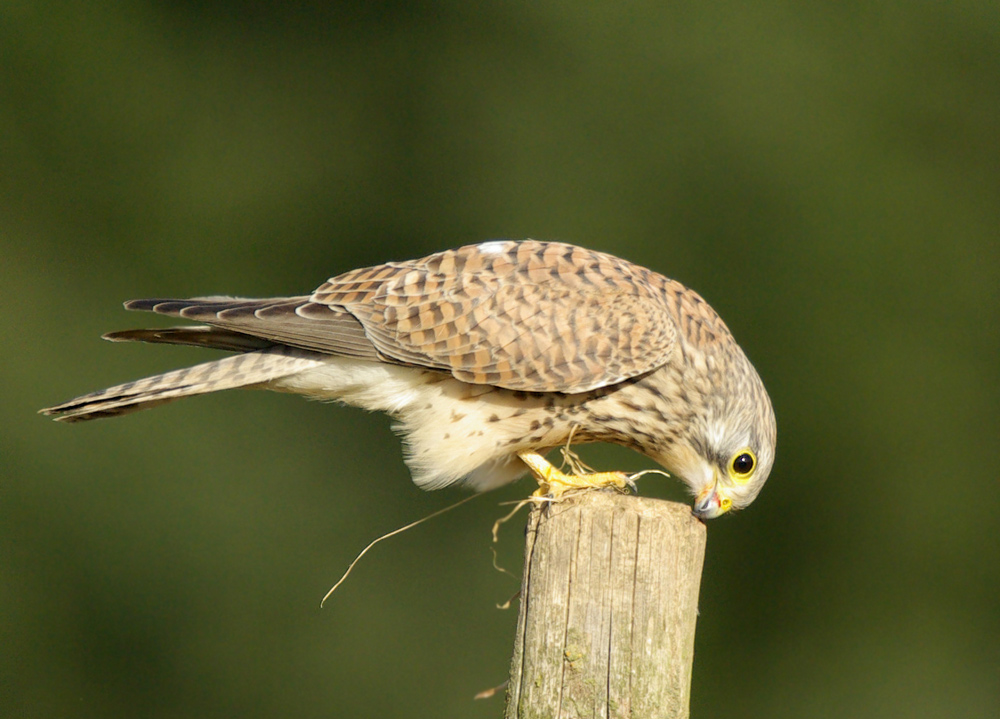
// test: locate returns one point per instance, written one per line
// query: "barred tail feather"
(244, 370)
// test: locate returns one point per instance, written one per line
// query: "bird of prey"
(488, 356)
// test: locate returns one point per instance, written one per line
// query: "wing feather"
(530, 316)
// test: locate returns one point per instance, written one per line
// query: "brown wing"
(292, 321)
(531, 316)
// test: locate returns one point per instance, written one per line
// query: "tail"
(244, 370)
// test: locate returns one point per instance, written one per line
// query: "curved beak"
(709, 504)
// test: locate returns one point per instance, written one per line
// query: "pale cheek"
(688, 466)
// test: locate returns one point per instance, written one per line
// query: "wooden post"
(608, 606)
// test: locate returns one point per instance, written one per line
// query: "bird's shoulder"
(480, 267)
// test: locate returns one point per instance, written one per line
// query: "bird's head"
(726, 452)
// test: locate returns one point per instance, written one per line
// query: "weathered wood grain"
(609, 601)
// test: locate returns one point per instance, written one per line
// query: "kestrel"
(488, 356)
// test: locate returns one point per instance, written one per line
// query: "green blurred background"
(826, 174)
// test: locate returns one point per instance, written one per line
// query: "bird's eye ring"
(742, 465)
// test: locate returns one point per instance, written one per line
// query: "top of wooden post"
(609, 602)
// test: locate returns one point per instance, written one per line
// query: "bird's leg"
(571, 459)
(574, 462)
(554, 483)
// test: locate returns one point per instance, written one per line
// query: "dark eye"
(743, 464)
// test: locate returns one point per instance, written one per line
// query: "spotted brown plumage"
(488, 355)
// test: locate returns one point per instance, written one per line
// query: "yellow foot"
(554, 483)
